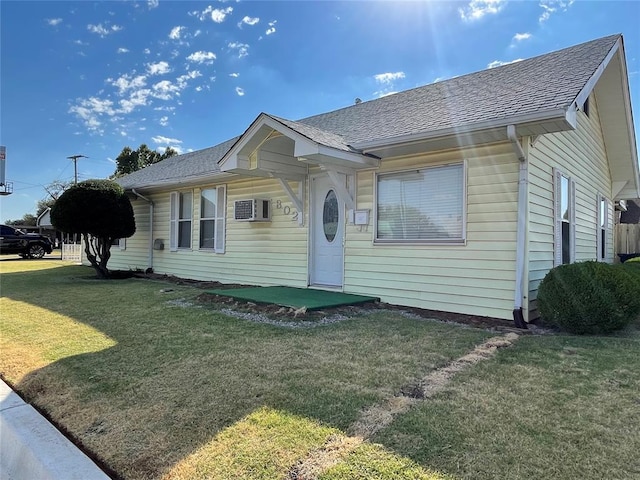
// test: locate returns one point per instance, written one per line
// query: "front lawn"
(144, 380)
(159, 387)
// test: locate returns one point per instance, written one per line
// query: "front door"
(327, 234)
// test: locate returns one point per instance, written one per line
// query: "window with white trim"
(602, 227)
(212, 218)
(564, 199)
(181, 214)
(425, 205)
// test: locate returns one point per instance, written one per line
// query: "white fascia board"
(591, 83)
(244, 139)
(547, 115)
(629, 117)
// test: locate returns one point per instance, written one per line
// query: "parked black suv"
(27, 245)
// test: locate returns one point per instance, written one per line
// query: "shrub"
(589, 297)
(99, 210)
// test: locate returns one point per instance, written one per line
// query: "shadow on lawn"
(172, 383)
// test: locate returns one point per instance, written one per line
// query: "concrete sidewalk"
(31, 448)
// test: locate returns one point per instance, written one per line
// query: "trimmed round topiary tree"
(101, 212)
(589, 298)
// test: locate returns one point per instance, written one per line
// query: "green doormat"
(294, 297)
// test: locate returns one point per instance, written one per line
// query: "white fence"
(627, 238)
(72, 252)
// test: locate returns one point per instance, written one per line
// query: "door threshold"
(319, 286)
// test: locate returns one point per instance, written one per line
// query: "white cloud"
(241, 48)
(146, 51)
(126, 82)
(153, 3)
(90, 109)
(176, 32)
(240, 91)
(165, 90)
(234, 75)
(272, 28)
(479, 8)
(164, 121)
(248, 21)
(550, 7)
(158, 68)
(218, 15)
(182, 79)
(123, 50)
(138, 98)
(202, 57)
(54, 21)
(518, 37)
(165, 140)
(102, 30)
(499, 63)
(388, 78)
(387, 81)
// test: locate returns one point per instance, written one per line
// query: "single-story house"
(457, 196)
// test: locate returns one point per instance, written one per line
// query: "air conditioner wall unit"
(252, 210)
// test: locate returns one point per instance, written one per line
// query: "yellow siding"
(581, 155)
(477, 278)
(257, 253)
(135, 256)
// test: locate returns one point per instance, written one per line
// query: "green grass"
(145, 383)
(158, 387)
(550, 407)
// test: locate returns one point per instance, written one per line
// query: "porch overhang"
(269, 148)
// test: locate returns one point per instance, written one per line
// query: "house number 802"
(286, 209)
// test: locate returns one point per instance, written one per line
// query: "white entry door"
(327, 234)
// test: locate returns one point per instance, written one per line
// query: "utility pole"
(75, 166)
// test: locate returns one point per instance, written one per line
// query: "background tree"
(28, 220)
(132, 160)
(101, 212)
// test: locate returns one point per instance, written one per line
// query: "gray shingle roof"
(173, 169)
(544, 83)
(549, 82)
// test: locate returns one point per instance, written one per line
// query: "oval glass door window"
(330, 216)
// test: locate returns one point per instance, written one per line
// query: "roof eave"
(548, 121)
(182, 182)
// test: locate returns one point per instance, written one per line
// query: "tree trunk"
(97, 251)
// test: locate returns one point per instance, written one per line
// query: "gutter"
(150, 260)
(558, 114)
(523, 183)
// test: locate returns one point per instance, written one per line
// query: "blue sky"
(82, 77)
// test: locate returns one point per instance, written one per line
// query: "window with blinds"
(425, 205)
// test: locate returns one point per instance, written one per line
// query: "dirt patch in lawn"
(277, 314)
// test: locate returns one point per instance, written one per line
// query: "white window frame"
(436, 241)
(558, 220)
(175, 198)
(602, 244)
(219, 219)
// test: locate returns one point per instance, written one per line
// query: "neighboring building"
(631, 213)
(457, 196)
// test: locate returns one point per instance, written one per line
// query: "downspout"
(523, 181)
(150, 260)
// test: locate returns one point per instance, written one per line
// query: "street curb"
(30, 447)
